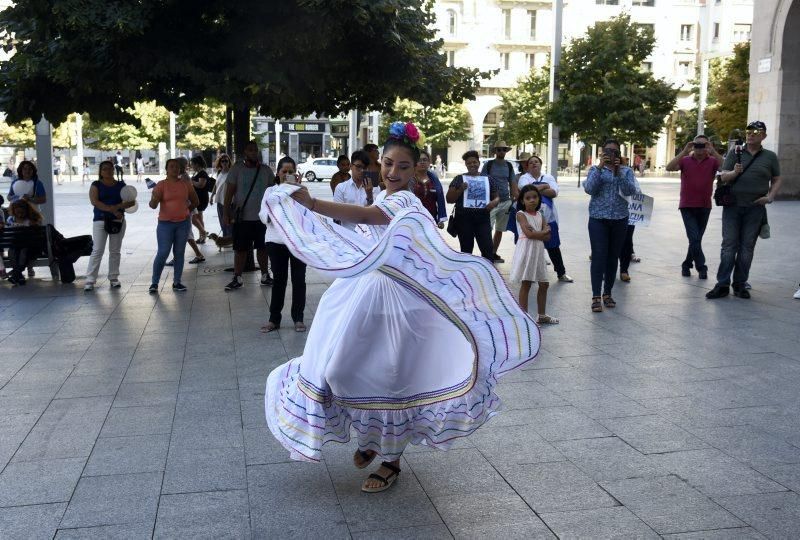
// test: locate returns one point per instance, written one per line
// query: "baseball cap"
(757, 124)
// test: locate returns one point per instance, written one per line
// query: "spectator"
(439, 166)
(22, 214)
(754, 173)
(343, 174)
(503, 173)
(246, 184)
(175, 198)
(698, 164)
(85, 171)
(223, 167)
(373, 172)
(139, 163)
(548, 189)
(608, 219)
(428, 189)
(473, 224)
(200, 182)
(3, 273)
(57, 169)
(27, 185)
(105, 195)
(8, 172)
(359, 189)
(280, 259)
(118, 166)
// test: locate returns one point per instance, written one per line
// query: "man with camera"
(753, 173)
(698, 163)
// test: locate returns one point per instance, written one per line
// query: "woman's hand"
(303, 197)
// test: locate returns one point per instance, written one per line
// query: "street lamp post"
(555, 60)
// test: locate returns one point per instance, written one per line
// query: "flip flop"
(365, 457)
(269, 327)
(386, 482)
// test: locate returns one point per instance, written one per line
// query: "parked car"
(318, 168)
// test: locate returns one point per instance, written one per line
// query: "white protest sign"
(640, 209)
(477, 193)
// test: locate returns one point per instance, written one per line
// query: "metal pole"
(172, 153)
(555, 60)
(79, 143)
(278, 130)
(352, 136)
(705, 36)
(44, 166)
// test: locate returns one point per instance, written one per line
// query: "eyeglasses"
(755, 131)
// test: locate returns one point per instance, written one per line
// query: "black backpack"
(488, 167)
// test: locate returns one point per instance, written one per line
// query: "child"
(528, 264)
(23, 214)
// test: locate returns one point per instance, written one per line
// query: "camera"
(611, 153)
(699, 146)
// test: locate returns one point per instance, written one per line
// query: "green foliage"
(103, 56)
(201, 126)
(731, 93)
(20, 135)
(439, 124)
(525, 108)
(149, 126)
(604, 92)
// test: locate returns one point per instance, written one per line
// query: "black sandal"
(597, 306)
(608, 301)
(386, 482)
(366, 458)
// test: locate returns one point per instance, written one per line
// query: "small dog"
(221, 241)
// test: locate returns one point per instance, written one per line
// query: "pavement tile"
(218, 514)
(617, 522)
(502, 445)
(499, 516)
(129, 421)
(31, 522)
(428, 532)
(128, 455)
(526, 395)
(204, 469)
(261, 447)
(456, 472)
(652, 434)
(146, 394)
(38, 482)
(785, 475)
(128, 531)
(776, 515)
(195, 431)
(155, 371)
(89, 386)
(741, 533)
(603, 403)
(670, 505)
(750, 445)
(608, 458)
(113, 500)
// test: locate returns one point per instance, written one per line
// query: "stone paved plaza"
(124, 415)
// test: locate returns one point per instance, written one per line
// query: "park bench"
(51, 248)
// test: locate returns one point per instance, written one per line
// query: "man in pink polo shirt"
(698, 163)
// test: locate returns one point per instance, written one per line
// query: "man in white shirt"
(358, 190)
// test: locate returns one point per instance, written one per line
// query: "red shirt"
(426, 192)
(697, 181)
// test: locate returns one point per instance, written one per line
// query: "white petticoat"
(405, 348)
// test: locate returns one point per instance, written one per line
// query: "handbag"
(452, 224)
(240, 209)
(112, 225)
(723, 194)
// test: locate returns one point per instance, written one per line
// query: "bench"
(38, 238)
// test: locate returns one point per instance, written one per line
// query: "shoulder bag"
(723, 194)
(240, 209)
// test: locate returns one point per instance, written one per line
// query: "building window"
(607, 2)
(507, 23)
(685, 68)
(532, 18)
(451, 22)
(647, 67)
(530, 60)
(491, 118)
(687, 32)
(716, 31)
(451, 58)
(741, 32)
(647, 3)
(505, 59)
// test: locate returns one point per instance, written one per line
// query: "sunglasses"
(755, 131)
(224, 161)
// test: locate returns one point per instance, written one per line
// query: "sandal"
(269, 327)
(626, 277)
(386, 482)
(299, 326)
(365, 458)
(597, 306)
(635, 259)
(608, 301)
(547, 319)
(197, 260)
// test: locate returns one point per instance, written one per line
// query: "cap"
(757, 124)
(524, 156)
(501, 145)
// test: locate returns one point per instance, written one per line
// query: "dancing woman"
(407, 346)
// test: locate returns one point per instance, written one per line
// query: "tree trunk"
(229, 130)
(241, 129)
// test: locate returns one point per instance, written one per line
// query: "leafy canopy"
(103, 56)
(439, 124)
(525, 108)
(730, 92)
(604, 92)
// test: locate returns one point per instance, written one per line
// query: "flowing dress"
(528, 263)
(405, 347)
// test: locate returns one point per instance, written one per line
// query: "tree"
(525, 108)
(604, 91)
(149, 126)
(20, 135)
(201, 126)
(687, 120)
(731, 93)
(99, 57)
(448, 122)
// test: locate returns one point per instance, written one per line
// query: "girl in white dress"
(407, 346)
(528, 265)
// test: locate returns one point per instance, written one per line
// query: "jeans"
(171, 235)
(99, 238)
(606, 237)
(740, 228)
(557, 260)
(280, 258)
(626, 254)
(695, 221)
(227, 230)
(474, 225)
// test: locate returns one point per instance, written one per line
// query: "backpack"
(211, 183)
(488, 167)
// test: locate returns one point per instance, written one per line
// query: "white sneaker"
(797, 295)
(88, 287)
(115, 284)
